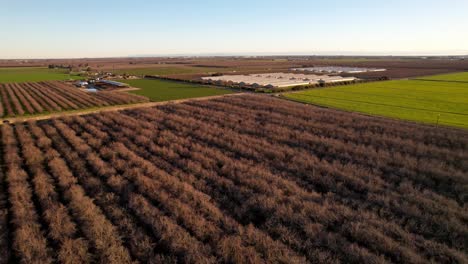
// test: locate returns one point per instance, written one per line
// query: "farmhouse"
(278, 80)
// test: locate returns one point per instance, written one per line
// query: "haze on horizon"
(58, 29)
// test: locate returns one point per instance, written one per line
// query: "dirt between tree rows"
(108, 109)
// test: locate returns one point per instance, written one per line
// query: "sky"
(115, 28)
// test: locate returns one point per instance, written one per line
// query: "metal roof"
(338, 69)
(278, 79)
(119, 84)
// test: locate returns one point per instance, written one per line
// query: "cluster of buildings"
(277, 80)
(337, 69)
(99, 84)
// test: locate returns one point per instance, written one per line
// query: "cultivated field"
(33, 74)
(161, 90)
(170, 70)
(19, 99)
(440, 99)
(192, 68)
(451, 77)
(245, 179)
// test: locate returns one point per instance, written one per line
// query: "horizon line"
(259, 54)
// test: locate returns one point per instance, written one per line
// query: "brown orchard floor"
(233, 179)
(108, 108)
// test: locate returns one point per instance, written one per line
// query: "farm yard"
(20, 99)
(162, 90)
(245, 179)
(33, 74)
(439, 99)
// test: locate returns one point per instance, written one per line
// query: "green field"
(161, 90)
(451, 77)
(33, 74)
(443, 100)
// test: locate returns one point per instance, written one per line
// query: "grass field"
(451, 77)
(159, 90)
(443, 101)
(33, 74)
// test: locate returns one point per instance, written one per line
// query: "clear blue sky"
(104, 28)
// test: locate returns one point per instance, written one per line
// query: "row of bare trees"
(245, 179)
(204, 134)
(95, 226)
(110, 191)
(178, 205)
(62, 224)
(411, 202)
(231, 169)
(62, 230)
(29, 241)
(33, 98)
(4, 217)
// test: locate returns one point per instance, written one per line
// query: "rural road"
(109, 109)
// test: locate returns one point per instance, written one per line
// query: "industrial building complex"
(337, 69)
(277, 80)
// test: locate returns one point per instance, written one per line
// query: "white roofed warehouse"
(277, 80)
(337, 70)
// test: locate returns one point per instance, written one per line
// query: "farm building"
(337, 69)
(92, 90)
(278, 80)
(81, 84)
(106, 84)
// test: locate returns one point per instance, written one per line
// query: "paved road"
(109, 109)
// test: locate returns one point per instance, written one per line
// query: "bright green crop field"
(442, 99)
(33, 74)
(161, 90)
(451, 77)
